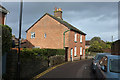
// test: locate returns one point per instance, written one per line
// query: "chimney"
(58, 13)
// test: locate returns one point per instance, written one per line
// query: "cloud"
(93, 18)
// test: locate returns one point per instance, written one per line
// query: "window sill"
(75, 41)
(32, 38)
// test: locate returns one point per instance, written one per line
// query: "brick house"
(55, 33)
(3, 13)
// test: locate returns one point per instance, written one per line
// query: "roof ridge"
(62, 22)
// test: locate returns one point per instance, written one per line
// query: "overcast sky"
(93, 18)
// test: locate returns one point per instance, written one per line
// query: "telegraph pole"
(112, 38)
(19, 40)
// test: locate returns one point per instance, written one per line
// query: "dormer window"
(32, 34)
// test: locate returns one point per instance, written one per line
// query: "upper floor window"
(75, 36)
(32, 34)
(45, 35)
(75, 51)
(80, 37)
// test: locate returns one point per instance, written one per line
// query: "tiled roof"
(62, 22)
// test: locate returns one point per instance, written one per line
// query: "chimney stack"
(58, 13)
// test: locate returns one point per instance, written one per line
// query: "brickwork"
(11, 65)
(115, 49)
(53, 30)
(78, 44)
(54, 39)
(2, 18)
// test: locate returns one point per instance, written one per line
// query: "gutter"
(64, 38)
(4, 11)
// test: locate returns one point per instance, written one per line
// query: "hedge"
(36, 52)
(6, 38)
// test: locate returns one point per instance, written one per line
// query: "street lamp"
(19, 44)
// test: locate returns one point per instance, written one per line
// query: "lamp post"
(19, 43)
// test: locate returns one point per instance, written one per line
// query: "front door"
(66, 53)
(71, 54)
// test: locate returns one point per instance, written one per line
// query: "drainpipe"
(64, 38)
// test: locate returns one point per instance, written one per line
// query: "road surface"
(76, 69)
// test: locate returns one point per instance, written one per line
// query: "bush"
(6, 38)
(44, 53)
(54, 60)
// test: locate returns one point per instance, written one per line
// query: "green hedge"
(6, 38)
(44, 53)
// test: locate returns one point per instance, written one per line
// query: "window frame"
(81, 51)
(32, 35)
(75, 37)
(75, 51)
(45, 35)
(80, 38)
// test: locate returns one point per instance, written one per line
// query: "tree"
(6, 38)
(95, 39)
(97, 45)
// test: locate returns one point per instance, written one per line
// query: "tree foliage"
(97, 45)
(6, 38)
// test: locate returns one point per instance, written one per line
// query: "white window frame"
(32, 34)
(80, 37)
(80, 50)
(75, 51)
(75, 36)
(45, 35)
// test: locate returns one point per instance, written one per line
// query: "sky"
(94, 18)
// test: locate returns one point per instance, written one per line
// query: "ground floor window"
(75, 51)
(80, 50)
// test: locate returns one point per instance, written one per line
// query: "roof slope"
(62, 22)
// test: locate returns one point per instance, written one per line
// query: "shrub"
(6, 38)
(43, 53)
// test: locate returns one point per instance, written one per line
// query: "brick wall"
(78, 44)
(11, 65)
(2, 17)
(54, 33)
(29, 66)
(54, 36)
(115, 49)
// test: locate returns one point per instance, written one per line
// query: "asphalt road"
(76, 69)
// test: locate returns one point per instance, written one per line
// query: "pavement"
(76, 69)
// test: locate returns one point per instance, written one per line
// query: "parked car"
(96, 60)
(109, 67)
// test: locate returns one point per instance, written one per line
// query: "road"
(76, 69)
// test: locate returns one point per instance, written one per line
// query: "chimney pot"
(55, 9)
(59, 9)
(58, 13)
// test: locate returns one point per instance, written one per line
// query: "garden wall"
(32, 62)
(115, 49)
